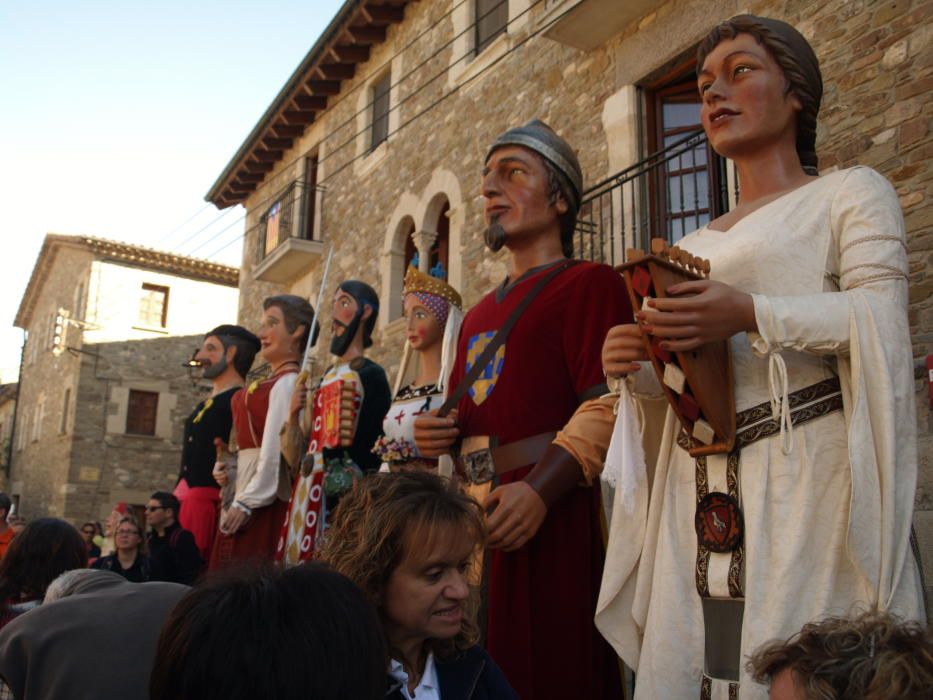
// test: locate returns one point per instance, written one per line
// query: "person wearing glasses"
(131, 557)
(171, 546)
(88, 533)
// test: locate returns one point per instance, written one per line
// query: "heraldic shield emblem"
(486, 381)
(719, 523)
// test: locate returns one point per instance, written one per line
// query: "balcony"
(666, 195)
(288, 242)
(586, 24)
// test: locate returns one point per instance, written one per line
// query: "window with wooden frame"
(411, 252)
(492, 18)
(438, 264)
(379, 130)
(153, 306)
(141, 410)
(66, 406)
(688, 190)
(309, 211)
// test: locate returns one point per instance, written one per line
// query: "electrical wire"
(346, 94)
(512, 49)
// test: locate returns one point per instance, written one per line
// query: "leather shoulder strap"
(498, 339)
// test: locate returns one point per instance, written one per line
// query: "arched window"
(411, 252)
(440, 261)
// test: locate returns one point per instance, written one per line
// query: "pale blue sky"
(116, 118)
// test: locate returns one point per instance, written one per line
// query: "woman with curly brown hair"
(873, 656)
(407, 541)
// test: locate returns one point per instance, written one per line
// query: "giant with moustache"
(338, 425)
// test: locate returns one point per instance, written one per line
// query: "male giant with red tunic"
(524, 414)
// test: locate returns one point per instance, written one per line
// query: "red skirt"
(255, 541)
(541, 603)
(198, 514)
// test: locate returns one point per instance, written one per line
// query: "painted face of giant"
(214, 358)
(346, 319)
(278, 345)
(746, 106)
(517, 196)
(424, 330)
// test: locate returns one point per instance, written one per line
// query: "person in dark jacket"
(131, 558)
(173, 548)
(408, 540)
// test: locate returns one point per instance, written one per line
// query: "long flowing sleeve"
(865, 326)
(262, 488)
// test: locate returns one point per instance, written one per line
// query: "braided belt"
(758, 422)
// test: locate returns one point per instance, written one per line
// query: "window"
(492, 17)
(153, 306)
(66, 404)
(38, 416)
(21, 431)
(438, 263)
(50, 339)
(380, 124)
(411, 252)
(141, 411)
(272, 221)
(688, 191)
(310, 198)
(78, 303)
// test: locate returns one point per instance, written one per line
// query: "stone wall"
(876, 59)
(106, 464)
(71, 458)
(41, 456)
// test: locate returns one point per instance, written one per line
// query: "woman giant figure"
(249, 526)
(809, 283)
(434, 312)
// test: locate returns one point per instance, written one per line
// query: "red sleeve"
(598, 301)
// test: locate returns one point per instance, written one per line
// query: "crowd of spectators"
(385, 613)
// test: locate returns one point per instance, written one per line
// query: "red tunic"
(542, 598)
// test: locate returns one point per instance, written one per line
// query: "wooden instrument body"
(708, 369)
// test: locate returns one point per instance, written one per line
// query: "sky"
(117, 117)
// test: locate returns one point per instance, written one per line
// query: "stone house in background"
(375, 143)
(7, 418)
(103, 393)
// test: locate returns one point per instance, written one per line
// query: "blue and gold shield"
(486, 381)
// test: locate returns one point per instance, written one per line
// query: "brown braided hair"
(794, 55)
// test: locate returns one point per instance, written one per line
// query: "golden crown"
(417, 281)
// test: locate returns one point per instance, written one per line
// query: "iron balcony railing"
(292, 215)
(666, 195)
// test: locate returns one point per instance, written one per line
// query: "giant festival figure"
(225, 357)
(433, 313)
(809, 286)
(513, 398)
(344, 420)
(249, 526)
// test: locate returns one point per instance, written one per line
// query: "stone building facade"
(103, 391)
(7, 413)
(613, 78)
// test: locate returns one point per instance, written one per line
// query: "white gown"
(827, 520)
